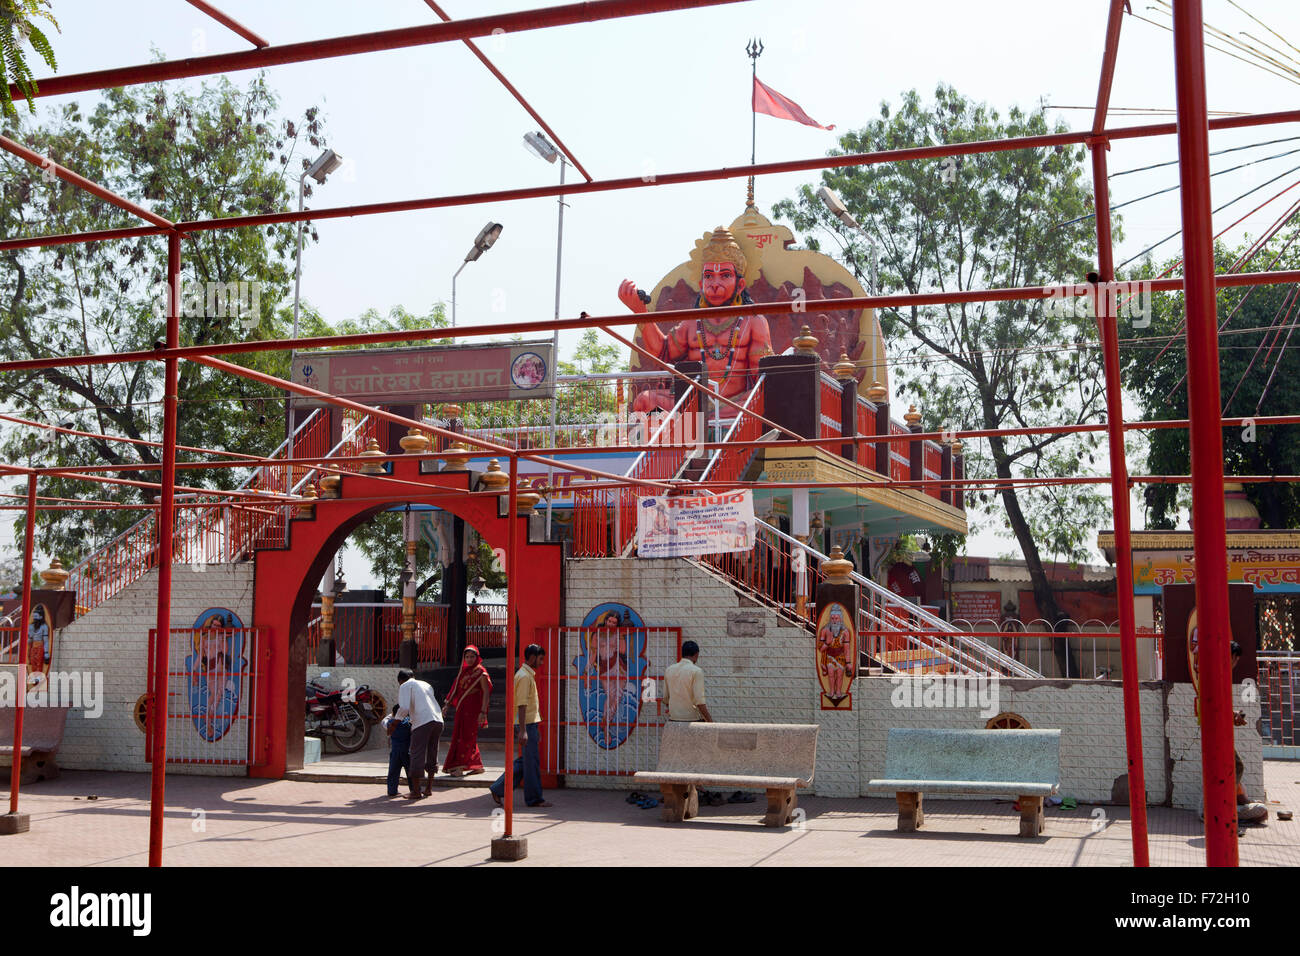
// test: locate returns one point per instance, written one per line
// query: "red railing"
(9, 644)
(678, 435)
(368, 634)
(730, 462)
(206, 535)
(867, 426)
(770, 572)
(900, 465)
(832, 393)
(932, 464)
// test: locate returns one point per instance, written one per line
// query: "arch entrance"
(285, 582)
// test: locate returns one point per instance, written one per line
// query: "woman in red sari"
(469, 695)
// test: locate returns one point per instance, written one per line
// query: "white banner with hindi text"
(681, 526)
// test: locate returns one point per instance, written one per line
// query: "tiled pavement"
(239, 822)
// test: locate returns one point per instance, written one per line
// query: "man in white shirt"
(415, 699)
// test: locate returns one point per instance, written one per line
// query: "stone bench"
(777, 758)
(1022, 763)
(42, 737)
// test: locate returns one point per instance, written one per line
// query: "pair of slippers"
(642, 800)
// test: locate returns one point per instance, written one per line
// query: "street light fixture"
(485, 240)
(325, 164)
(831, 200)
(542, 147)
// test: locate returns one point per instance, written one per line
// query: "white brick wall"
(114, 639)
(759, 668)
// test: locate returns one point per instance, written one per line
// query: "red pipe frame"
(1205, 424)
(1209, 529)
(29, 540)
(229, 22)
(403, 37)
(1119, 485)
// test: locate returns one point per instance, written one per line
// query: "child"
(399, 749)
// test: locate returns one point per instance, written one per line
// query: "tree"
(983, 221)
(18, 25)
(217, 151)
(1258, 375)
(593, 356)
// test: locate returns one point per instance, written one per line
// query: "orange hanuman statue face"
(719, 283)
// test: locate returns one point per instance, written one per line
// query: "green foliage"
(217, 151)
(18, 25)
(593, 356)
(982, 221)
(380, 540)
(398, 319)
(1259, 375)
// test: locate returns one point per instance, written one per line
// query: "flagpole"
(755, 49)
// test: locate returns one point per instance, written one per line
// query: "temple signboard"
(445, 373)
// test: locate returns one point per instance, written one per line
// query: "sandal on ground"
(542, 805)
(495, 798)
(647, 803)
(635, 797)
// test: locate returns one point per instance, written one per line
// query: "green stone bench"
(1022, 763)
(777, 758)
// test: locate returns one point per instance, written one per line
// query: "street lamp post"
(841, 212)
(486, 238)
(539, 145)
(325, 164)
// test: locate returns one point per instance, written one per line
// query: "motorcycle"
(343, 715)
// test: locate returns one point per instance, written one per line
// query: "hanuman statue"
(729, 348)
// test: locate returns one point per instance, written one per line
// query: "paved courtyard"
(93, 819)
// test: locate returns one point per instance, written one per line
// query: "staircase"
(229, 527)
(782, 570)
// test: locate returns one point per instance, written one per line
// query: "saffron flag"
(769, 101)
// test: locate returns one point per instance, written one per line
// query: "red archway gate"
(285, 581)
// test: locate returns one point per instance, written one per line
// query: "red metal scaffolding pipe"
(512, 640)
(401, 38)
(1119, 496)
(166, 525)
(583, 322)
(20, 705)
(501, 450)
(1209, 529)
(1110, 54)
(47, 165)
(228, 21)
(735, 172)
(510, 87)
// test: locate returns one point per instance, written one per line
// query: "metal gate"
(1279, 688)
(603, 697)
(212, 686)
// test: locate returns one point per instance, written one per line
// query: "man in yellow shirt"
(684, 687)
(528, 719)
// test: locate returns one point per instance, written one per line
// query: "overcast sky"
(667, 93)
